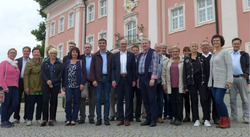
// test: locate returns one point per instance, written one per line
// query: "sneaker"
(28, 123)
(246, 120)
(16, 121)
(207, 123)
(197, 123)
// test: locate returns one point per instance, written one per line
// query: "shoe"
(197, 123)
(172, 122)
(73, 123)
(160, 120)
(43, 124)
(67, 123)
(5, 125)
(226, 122)
(112, 118)
(91, 121)
(246, 120)
(81, 121)
(28, 123)
(120, 123)
(127, 123)
(207, 123)
(51, 123)
(216, 121)
(220, 123)
(186, 119)
(153, 123)
(138, 120)
(177, 123)
(98, 123)
(145, 123)
(11, 124)
(106, 122)
(16, 121)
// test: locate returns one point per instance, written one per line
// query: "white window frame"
(170, 18)
(73, 19)
(101, 33)
(58, 49)
(246, 7)
(197, 17)
(134, 35)
(88, 37)
(59, 24)
(51, 31)
(100, 9)
(88, 20)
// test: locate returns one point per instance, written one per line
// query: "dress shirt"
(23, 66)
(236, 63)
(88, 62)
(104, 62)
(123, 61)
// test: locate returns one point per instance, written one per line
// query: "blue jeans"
(32, 99)
(159, 95)
(76, 93)
(10, 103)
(221, 107)
(103, 87)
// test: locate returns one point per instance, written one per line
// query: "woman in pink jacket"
(9, 75)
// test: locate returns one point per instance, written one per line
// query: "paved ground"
(238, 129)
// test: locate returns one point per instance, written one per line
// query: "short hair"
(36, 48)
(87, 44)
(48, 48)
(146, 39)
(74, 49)
(10, 50)
(135, 46)
(123, 39)
(164, 45)
(175, 47)
(222, 40)
(71, 42)
(236, 39)
(52, 50)
(27, 47)
(193, 43)
(204, 41)
(186, 48)
(102, 40)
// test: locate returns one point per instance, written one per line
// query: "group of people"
(152, 76)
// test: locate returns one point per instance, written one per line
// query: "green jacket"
(32, 77)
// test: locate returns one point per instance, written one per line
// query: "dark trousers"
(123, 89)
(186, 98)
(32, 99)
(137, 92)
(149, 97)
(50, 96)
(167, 105)
(177, 104)
(20, 93)
(159, 94)
(10, 103)
(70, 93)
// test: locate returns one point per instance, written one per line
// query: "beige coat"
(166, 75)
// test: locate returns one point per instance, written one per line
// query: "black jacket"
(65, 58)
(244, 61)
(188, 78)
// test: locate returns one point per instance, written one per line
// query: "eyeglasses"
(216, 40)
(87, 47)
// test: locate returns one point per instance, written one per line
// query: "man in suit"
(87, 57)
(123, 79)
(21, 65)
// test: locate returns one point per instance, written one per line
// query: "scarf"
(12, 62)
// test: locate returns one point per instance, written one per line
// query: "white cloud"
(17, 19)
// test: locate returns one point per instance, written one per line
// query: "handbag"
(2, 94)
(85, 91)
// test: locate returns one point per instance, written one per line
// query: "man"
(240, 81)
(21, 65)
(159, 89)
(71, 45)
(123, 79)
(100, 74)
(147, 79)
(87, 57)
(164, 50)
(205, 48)
(137, 91)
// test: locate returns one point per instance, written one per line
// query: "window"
(103, 36)
(91, 41)
(103, 7)
(91, 13)
(61, 25)
(71, 20)
(248, 3)
(52, 29)
(60, 52)
(177, 19)
(131, 32)
(205, 10)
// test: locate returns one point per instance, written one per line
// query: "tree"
(40, 33)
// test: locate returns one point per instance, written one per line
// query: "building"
(174, 22)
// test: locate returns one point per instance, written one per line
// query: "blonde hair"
(175, 47)
(194, 43)
(146, 39)
(48, 48)
(52, 50)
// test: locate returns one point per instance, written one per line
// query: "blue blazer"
(116, 67)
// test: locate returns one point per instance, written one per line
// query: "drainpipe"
(85, 20)
(216, 16)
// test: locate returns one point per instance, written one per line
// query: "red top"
(174, 75)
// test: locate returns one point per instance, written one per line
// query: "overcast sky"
(17, 19)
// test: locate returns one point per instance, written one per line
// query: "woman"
(195, 79)
(9, 75)
(33, 85)
(73, 80)
(172, 81)
(51, 72)
(221, 78)
(47, 52)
